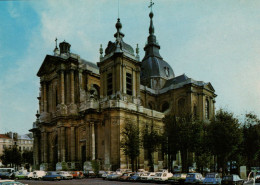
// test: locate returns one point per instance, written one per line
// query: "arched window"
(165, 106)
(181, 106)
(207, 109)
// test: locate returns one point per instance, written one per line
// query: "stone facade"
(83, 106)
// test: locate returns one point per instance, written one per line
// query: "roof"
(24, 137)
(179, 82)
(176, 80)
(4, 136)
(153, 64)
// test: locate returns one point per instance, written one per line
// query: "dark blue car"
(135, 177)
(52, 176)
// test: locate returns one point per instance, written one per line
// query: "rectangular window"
(109, 84)
(129, 83)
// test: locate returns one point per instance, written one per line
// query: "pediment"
(209, 87)
(48, 66)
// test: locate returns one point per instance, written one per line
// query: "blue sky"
(213, 41)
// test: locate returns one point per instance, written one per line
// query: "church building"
(84, 106)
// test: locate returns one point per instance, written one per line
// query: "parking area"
(89, 181)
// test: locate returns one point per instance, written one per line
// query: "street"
(89, 181)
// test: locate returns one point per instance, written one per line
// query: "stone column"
(93, 141)
(45, 97)
(41, 99)
(62, 91)
(63, 157)
(59, 144)
(72, 148)
(35, 150)
(42, 147)
(45, 147)
(73, 106)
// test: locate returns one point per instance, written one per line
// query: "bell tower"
(119, 70)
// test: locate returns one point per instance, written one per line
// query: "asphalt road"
(89, 181)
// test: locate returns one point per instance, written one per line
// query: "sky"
(212, 41)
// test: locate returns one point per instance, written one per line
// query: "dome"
(156, 67)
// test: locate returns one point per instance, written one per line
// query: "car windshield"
(52, 173)
(190, 175)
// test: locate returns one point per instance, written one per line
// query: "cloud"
(13, 10)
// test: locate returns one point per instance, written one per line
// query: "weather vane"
(151, 5)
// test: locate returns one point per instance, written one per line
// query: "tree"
(130, 142)
(225, 138)
(150, 140)
(11, 156)
(184, 135)
(251, 140)
(27, 158)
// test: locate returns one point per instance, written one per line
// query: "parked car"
(114, 176)
(65, 175)
(212, 178)
(194, 178)
(29, 175)
(52, 176)
(38, 174)
(21, 175)
(77, 174)
(10, 182)
(104, 176)
(147, 177)
(7, 175)
(177, 178)
(232, 179)
(100, 173)
(136, 176)
(125, 176)
(162, 176)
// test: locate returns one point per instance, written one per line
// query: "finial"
(56, 50)
(56, 47)
(151, 5)
(151, 28)
(101, 51)
(137, 52)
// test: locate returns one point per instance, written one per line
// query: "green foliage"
(27, 157)
(130, 142)
(11, 156)
(251, 140)
(184, 135)
(95, 167)
(225, 137)
(151, 141)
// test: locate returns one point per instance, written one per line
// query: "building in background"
(22, 142)
(84, 106)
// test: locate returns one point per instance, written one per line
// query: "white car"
(65, 175)
(162, 176)
(38, 174)
(29, 175)
(147, 176)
